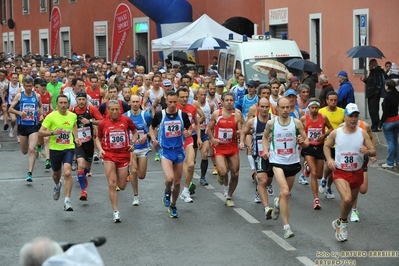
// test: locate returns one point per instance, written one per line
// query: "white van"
(258, 56)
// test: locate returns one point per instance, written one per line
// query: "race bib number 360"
(117, 139)
(172, 129)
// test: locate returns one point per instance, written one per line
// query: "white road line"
(220, 195)
(246, 216)
(209, 186)
(196, 176)
(284, 244)
(305, 261)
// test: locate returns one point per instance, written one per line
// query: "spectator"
(140, 60)
(294, 83)
(308, 80)
(390, 123)
(346, 93)
(326, 87)
(374, 91)
(388, 66)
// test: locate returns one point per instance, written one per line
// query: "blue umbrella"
(366, 51)
(208, 43)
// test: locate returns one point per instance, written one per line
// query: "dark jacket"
(389, 106)
(323, 93)
(375, 82)
(312, 85)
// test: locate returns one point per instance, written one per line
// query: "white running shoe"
(302, 180)
(229, 203)
(256, 197)
(68, 206)
(329, 194)
(117, 217)
(226, 191)
(136, 201)
(355, 216)
(288, 232)
(323, 185)
(268, 212)
(276, 209)
(186, 197)
(341, 231)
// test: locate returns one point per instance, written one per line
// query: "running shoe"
(329, 194)
(316, 204)
(157, 157)
(355, 216)
(215, 170)
(203, 182)
(302, 180)
(117, 188)
(48, 164)
(88, 174)
(186, 197)
(268, 212)
(117, 217)
(341, 230)
(288, 232)
(166, 199)
(29, 177)
(173, 212)
(5, 127)
(68, 206)
(191, 188)
(136, 201)
(256, 197)
(229, 203)
(276, 209)
(323, 184)
(220, 179)
(11, 133)
(95, 157)
(83, 195)
(306, 169)
(225, 191)
(386, 166)
(253, 174)
(57, 192)
(270, 190)
(74, 165)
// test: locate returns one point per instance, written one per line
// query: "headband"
(314, 102)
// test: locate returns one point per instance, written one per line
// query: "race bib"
(84, 134)
(140, 133)
(117, 139)
(29, 109)
(46, 108)
(260, 147)
(314, 133)
(349, 161)
(285, 146)
(158, 108)
(172, 129)
(225, 135)
(95, 102)
(12, 96)
(64, 137)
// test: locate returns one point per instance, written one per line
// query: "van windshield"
(261, 67)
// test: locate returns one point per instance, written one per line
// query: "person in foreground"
(36, 252)
(351, 144)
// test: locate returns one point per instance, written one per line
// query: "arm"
(329, 126)
(75, 135)
(246, 129)
(210, 127)
(16, 100)
(155, 123)
(199, 112)
(252, 112)
(39, 103)
(135, 134)
(99, 139)
(327, 149)
(368, 147)
(303, 140)
(145, 99)
(372, 138)
(229, 83)
(265, 139)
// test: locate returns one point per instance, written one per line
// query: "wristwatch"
(52, 132)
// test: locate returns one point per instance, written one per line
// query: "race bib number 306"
(117, 139)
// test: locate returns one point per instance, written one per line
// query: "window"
(43, 5)
(73, 1)
(5, 42)
(25, 6)
(56, 2)
(43, 44)
(315, 38)
(11, 47)
(221, 65)
(65, 46)
(26, 44)
(230, 66)
(360, 36)
(4, 11)
(101, 39)
(11, 8)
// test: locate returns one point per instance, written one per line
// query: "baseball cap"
(166, 82)
(290, 92)
(90, 70)
(342, 74)
(255, 77)
(219, 83)
(81, 94)
(251, 83)
(351, 108)
(213, 73)
(125, 70)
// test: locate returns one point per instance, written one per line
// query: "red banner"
(122, 26)
(55, 25)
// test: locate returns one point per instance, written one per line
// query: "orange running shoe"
(83, 195)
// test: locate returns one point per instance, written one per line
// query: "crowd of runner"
(76, 111)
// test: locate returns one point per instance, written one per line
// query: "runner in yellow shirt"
(61, 126)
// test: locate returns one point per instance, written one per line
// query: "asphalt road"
(206, 232)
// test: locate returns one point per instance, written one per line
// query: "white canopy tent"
(182, 39)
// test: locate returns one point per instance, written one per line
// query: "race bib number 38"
(117, 139)
(172, 129)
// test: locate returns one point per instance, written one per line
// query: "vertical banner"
(122, 26)
(55, 25)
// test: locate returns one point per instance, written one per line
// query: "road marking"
(305, 261)
(246, 216)
(209, 186)
(220, 196)
(196, 176)
(284, 244)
